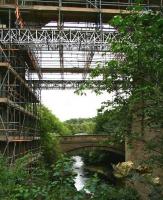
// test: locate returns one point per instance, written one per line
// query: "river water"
(78, 168)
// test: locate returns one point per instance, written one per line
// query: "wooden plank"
(4, 64)
(18, 138)
(8, 66)
(8, 129)
(43, 8)
(65, 70)
(16, 106)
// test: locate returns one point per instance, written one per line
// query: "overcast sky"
(66, 105)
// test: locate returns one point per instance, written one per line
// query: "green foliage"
(16, 182)
(134, 76)
(114, 122)
(50, 128)
(63, 181)
(103, 191)
(95, 157)
(80, 125)
(57, 183)
(50, 148)
(100, 158)
(49, 123)
(156, 193)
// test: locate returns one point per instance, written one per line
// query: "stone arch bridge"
(70, 144)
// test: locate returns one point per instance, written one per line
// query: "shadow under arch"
(100, 148)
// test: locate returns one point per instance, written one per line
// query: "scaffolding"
(53, 45)
(85, 3)
(19, 103)
(72, 51)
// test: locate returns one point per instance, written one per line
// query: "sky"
(64, 103)
(67, 105)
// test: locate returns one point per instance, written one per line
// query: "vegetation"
(51, 178)
(105, 192)
(134, 76)
(102, 158)
(113, 122)
(50, 148)
(50, 127)
(49, 123)
(18, 183)
(80, 125)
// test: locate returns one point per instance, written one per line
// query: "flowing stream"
(78, 168)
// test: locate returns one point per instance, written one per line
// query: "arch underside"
(71, 149)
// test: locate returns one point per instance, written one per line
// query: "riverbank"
(104, 172)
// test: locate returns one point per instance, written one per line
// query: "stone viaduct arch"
(71, 144)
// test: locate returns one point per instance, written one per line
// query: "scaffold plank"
(7, 101)
(64, 70)
(7, 66)
(18, 138)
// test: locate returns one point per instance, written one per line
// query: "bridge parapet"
(84, 138)
(73, 143)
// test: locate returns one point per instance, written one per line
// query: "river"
(78, 168)
(83, 172)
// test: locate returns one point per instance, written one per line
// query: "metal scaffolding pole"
(35, 56)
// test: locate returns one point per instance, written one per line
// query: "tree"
(113, 122)
(49, 123)
(81, 125)
(134, 75)
(50, 127)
